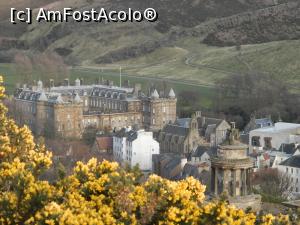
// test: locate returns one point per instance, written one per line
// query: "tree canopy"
(241, 95)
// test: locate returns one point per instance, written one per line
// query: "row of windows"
(27, 108)
(107, 104)
(255, 141)
(147, 109)
(296, 180)
(292, 170)
(67, 126)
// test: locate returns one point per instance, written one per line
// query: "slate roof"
(209, 121)
(200, 150)
(109, 93)
(172, 163)
(105, 91)
(121, 133)
(210, 129)
(27, 95)
(293, 161)
(132, 135)
(289, 148)
(190, 170)
(263, 122)
(183, 122)
(169, 163)
(176, 130)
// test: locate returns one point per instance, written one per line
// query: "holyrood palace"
(67, 110)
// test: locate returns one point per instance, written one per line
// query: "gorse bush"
(98, 193)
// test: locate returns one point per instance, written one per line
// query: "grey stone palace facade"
(66, 111)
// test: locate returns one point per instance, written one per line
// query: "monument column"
(216, 181)
(212, 179)
(224, 183)
(234, 183)
(248, 180)
(244, 182)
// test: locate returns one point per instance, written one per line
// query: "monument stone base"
(252, 202)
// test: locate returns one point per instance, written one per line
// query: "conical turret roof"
(155, 94)
(77, 98)
(43, 97)
(172, 93)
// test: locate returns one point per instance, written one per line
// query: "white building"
(268, 138)
(135, 147)
(140, 146)
(119, 145)
(291, 167)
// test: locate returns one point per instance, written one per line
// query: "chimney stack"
(198, 114)
(126, 83)
(137, 89)
(66, 82)
(51, 81)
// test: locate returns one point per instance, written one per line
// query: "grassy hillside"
(193, 61)
(190, 66)
(87, 43)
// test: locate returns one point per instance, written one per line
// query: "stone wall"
(159, 112)
(114, 121)
(68, 120)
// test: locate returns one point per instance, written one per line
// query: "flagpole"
(120, 76)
